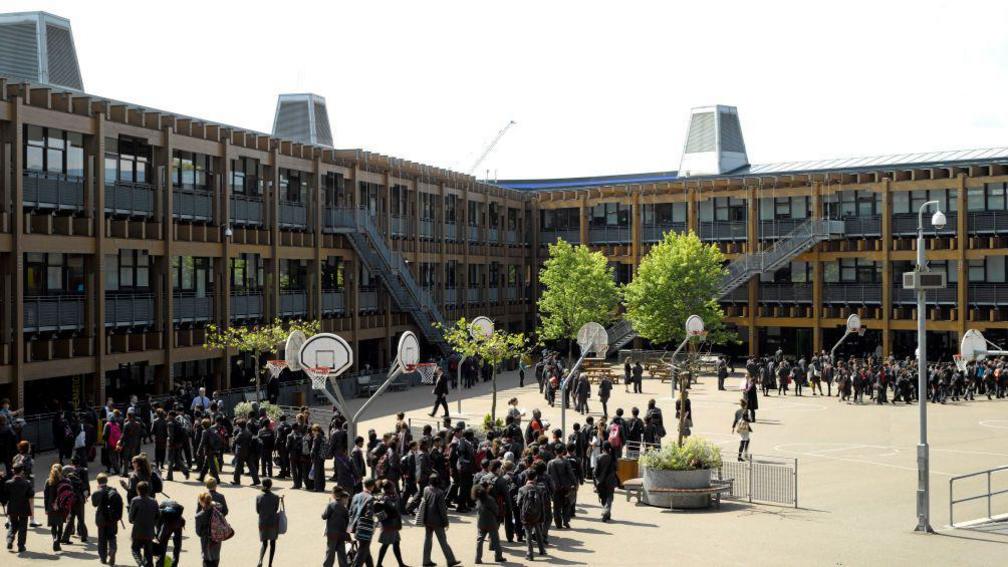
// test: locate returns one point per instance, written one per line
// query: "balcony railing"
(511, 293)
(192, 205)
(609, 234)
(45, 190)
(987, 222)
(187, 307)
(946, 296)
(655, 232)
(870, 225)
(293, 215)
(247, 305)
(450, 296)
(129, 309)
(293, 303)
(53, 313)
(399, 226)
(129, 199)
(572, 236)
(783, 292)
(493, 235)
(332, 301)
(906, 224)
(511, 235)
(472, 295)
(247, 210)
(737, 295)
(493, 294)
(723, 230)
(474, 233)
(368, 300)
(450, 231)
(778, 228)
(335, 217)
(426, 228)
(852, 293)
(988, 294)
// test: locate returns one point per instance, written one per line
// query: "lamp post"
(923, 472)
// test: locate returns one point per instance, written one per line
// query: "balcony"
(493, 295)
(906, 224)
(293, 215)
(783, 292)
(293, 303)
(656, 232)
(129, 309)
(474, 233)
(333, 302)
(334, 218)
(573, 236)
(852, 293)
(53, 191)
(493, 235)
(609, 235)
(450, 232)
(426, 228)
(192, 205)
(53, 313)
(987, 222)
(187, 307)
(472, 295)
(127, 199)
(399, 226)
(723, 230)
(866, 226)
(246, 305)
(778, 228)
(367, 300)
(511, 293)
(987, 294)
(246, 210)
(947, 296)
(450, 296)
(511, 236)
(737, 295)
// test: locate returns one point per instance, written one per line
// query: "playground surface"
(856, 490)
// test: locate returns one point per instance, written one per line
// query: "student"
(210, 447)
(143, 514)
(532, 513)
(386, 507)
(433, 515)
(58, 500)
(169, 530)
(268, 509)
(77, 475)
(318, 455)
(440, 392)
(604, 391)
(210, 550)
(108, 505)
(606, 480)
(742, 426)
(19, 493)
(488, 515)
(362, 523)
(27, 462)
(337, 519)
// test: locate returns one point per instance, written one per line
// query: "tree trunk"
(255, 368)
(493, 384)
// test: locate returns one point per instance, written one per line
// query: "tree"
(257, 339)
(498, 347)
(578, 287)
(679, 277)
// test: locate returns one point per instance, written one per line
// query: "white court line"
(994, 423)
(858, 461)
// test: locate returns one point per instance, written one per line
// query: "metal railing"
(863, 293)
(247, 210)
(187, 307)
(551, 236)
(450, 231)
(765, 479)
(129, 199)
(988, 495)
(474, 235)
(450, 296)
(656, 232)
(426, 228)
(247, 305)
(863, 226)
(332, 301)
(987, 222)
(53, 313)
(723, 230)
(906, 225)
(129, 309)
(293, 215)
(192, 205)
(946, 295)
(472, 295)
(367, 300)
(609, 234)
(45, 190)
(293, 303)
(782, 292)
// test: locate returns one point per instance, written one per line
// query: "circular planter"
(654, 478)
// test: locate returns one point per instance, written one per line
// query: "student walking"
(386, 507)
(488, 516)
(433, 515)
(743, 427)
(268, 509)
(58, 499)
(606, 480)
(362, 523)
(440, 392)
(337, 519)
(19, 493)
(169, 530)
(108, 505)
(77, 475)
(143, 514)
(210, 550)
(532, 513)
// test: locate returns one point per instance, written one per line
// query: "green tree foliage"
(679, 277)
(498, 347)
(578, 287)
(257, 339)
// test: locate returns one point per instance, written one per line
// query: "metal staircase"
(741, 270)
(389, 266)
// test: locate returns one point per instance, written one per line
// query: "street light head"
(938, 220)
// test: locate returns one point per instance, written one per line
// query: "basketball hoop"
(318, 376)
(275, 367)
(959, 362)
(426, 371)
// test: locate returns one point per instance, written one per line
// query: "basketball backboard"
(592, 337)
(853, 323)
(292, 350)
(694, 326)
(326, 349)
(481, 327)
(408, 352)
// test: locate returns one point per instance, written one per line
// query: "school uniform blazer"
(143, 514)
(19, 492)
(337, 518)
(268, 508)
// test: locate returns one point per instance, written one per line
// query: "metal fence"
(763, 479)
(987, 493)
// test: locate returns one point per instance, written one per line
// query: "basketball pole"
(352, 422)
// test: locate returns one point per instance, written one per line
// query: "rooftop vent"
(39, 48)
(302, 118)
(714, 143)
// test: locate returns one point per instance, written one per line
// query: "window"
(859, 270)
(334, 190)
(610, 214)
(127, 160)
(995, 269)
(127, 271)
(426, 206)
(801, 272)
(723, 209)
(54, 274)
(293, 186)
(560, 219)
(368, 282)
(512, 275)
(831, 272)
(977, 273)
(247, 272)
(54, 151)
(191, 171)
(293, 275)
(451, 271)
(449, 208)
(368, 197)
(245, 177)
(332, 274)
(512, 219)
(995, 196)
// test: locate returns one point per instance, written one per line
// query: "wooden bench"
(635, 487)
(368, 384)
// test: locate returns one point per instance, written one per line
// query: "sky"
(595, 87)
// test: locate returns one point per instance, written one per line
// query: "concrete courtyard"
(857, 479)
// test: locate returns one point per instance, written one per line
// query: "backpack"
(554, 381)
(614, 436)
(306, 443)
(112, 506)
(65, 499)
(115, 434)
(531, 507)
(220, 529)
(77, 484)
(155, 483)
(171, 512)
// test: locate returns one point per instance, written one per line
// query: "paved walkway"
(857, 479)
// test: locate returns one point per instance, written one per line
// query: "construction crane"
(490, 148)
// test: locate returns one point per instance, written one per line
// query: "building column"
(98, 294)
(17, 249)
(817, 273)
(635, 230)
(887, 308)
(317, 200)
(351, 277)
(222, 264)
(962, 243)
(583, 216)
(272, 309)
(164, 302)
(752, 243)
